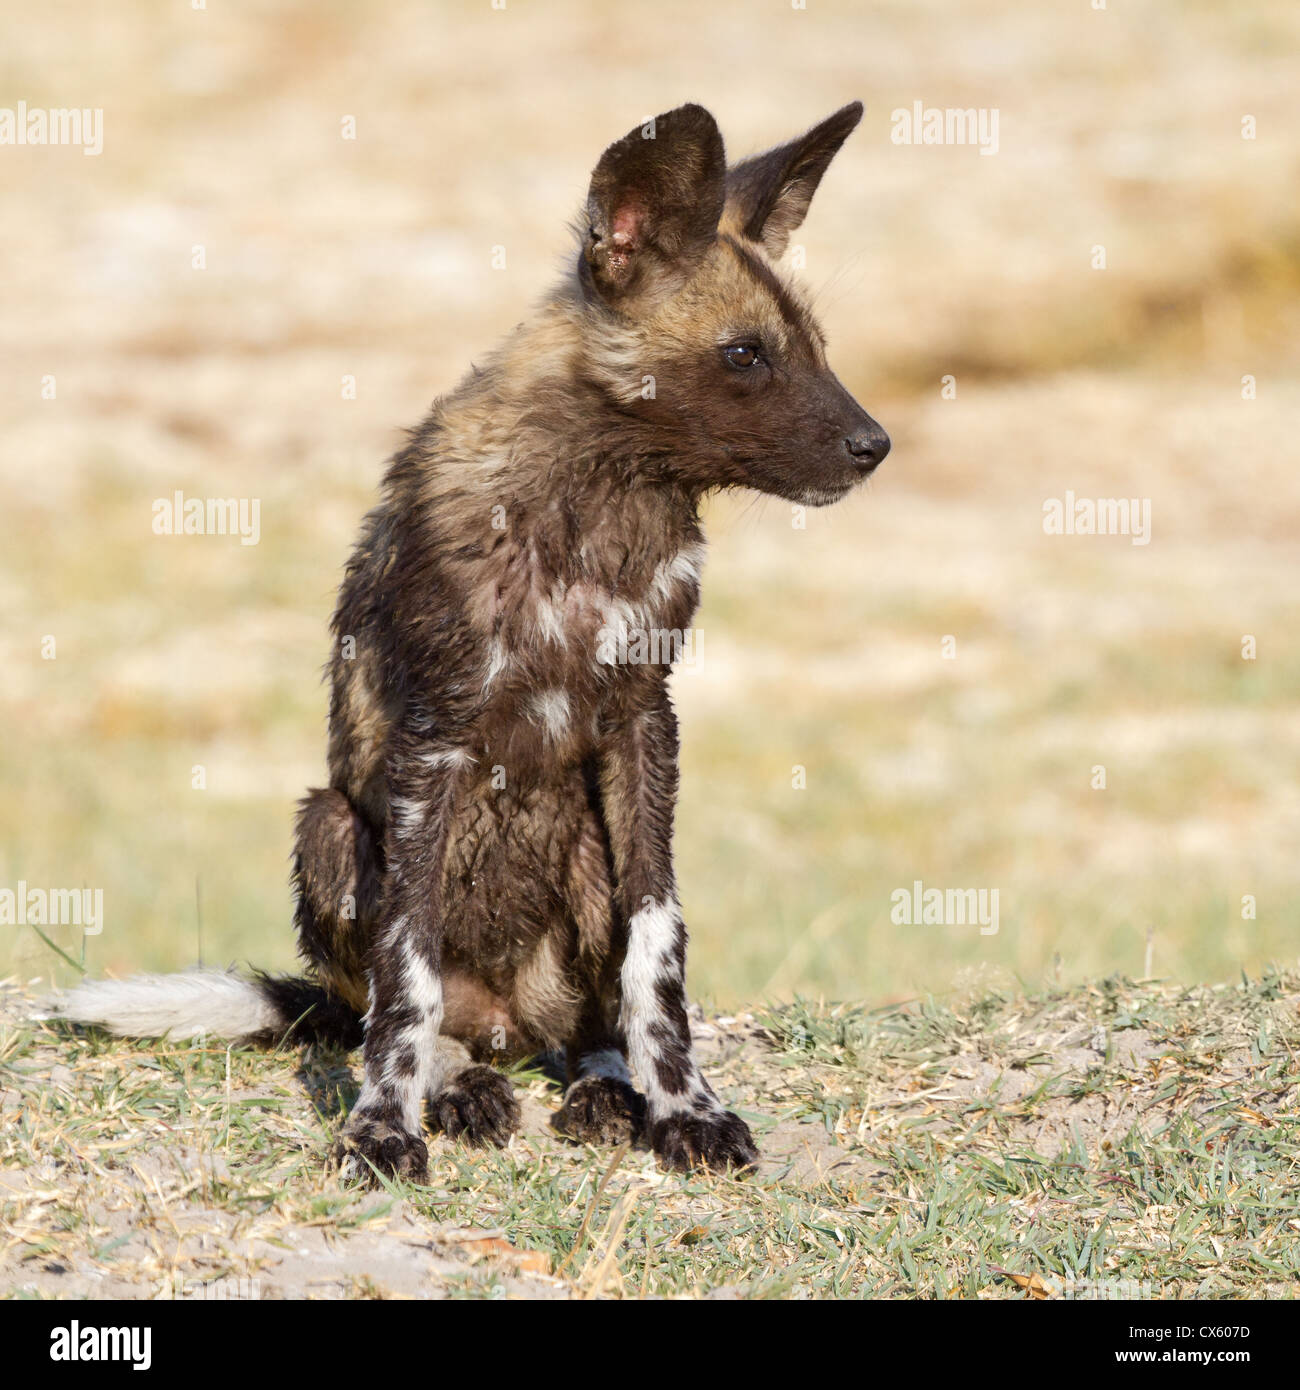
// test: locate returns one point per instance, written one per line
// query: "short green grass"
(1128, 1138)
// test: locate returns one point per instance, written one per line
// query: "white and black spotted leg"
(403, 1060)
(686, 1123)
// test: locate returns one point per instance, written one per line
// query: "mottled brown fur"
(501, 796)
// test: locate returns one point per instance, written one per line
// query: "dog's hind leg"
(337, 878)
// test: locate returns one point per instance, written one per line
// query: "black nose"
(868, 447)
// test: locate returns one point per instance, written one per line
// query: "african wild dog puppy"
(489, 873)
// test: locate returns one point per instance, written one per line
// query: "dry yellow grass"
(821, 647)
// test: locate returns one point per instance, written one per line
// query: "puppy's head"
(695, 329)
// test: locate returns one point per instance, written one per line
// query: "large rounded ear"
(653, 209)
(768, 195)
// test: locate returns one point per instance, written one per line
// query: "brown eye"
(742, 355)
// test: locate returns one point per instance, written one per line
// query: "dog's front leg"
(402, 1058)
(687, 1125)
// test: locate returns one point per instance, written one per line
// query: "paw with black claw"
(373, 1143)
(478, 1106)
(716, 1140)
(600, 1110)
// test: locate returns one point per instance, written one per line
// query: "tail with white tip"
(213, 1003)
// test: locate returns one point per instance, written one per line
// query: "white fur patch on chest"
(556, 632)
(586, 616)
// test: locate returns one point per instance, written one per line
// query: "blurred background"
(822, 648)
